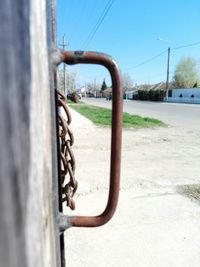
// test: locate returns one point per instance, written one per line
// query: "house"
(107, 92)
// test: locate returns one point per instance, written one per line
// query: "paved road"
(181, 115)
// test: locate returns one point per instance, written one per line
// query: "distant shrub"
(152, 95)
(74, 97)
(143, 95)
(157, 95)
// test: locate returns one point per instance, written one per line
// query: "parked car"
(69, 96)
(109, 97)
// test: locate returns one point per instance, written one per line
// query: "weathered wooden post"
(28, 155)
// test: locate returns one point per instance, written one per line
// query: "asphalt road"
(181, 115)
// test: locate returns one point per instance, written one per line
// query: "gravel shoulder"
(154, 224)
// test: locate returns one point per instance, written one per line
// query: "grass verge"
(192, 191)
(102, 116)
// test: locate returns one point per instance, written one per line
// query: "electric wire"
(99, 22)
(163, 52)
(97, 25)
(156, 56)
(184, 46)
(147, 61)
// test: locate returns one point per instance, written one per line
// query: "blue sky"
(133, 32)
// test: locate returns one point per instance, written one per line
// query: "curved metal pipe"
(81, 57)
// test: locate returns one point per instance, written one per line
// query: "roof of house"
(108, 90)
(161, 86)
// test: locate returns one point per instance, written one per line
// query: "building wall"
(186, 94)
(129, 95)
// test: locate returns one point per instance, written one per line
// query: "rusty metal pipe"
(81, 57)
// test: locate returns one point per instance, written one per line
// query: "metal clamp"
(81, 57)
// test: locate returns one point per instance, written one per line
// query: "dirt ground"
(154, 225)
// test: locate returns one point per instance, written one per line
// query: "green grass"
(69, 102)
(102, 116)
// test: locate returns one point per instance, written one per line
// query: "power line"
(156, 56)
(183, 46)
(99, 22)
(148, 60)
(140, 64)
(85, 13)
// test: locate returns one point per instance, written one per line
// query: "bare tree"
(71, 78)
(93, 87)
(127, 82)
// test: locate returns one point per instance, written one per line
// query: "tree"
(70, 81)
(186, 74)
(104, 86)
(93, 87)
(127, 82)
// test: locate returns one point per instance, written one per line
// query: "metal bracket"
(82, 57)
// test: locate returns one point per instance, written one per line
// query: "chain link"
(68, 181)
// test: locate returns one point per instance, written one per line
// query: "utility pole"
(167, 80)
(64, 45)
(95, 91)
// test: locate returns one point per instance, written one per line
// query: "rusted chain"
(68, 181)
